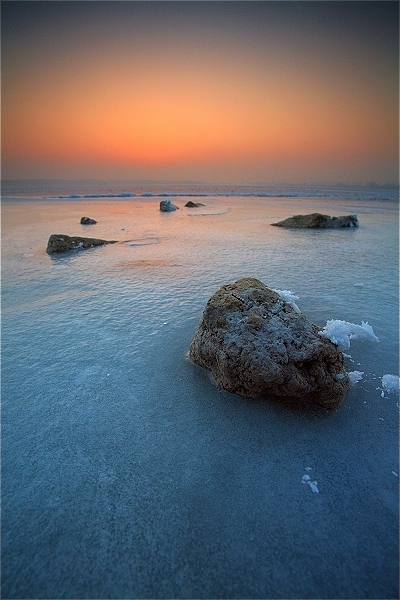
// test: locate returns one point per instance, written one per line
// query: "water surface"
(126, 472)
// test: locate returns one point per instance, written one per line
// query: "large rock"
(167, 206)
(318, 221)
(59, 242)
(258, 345)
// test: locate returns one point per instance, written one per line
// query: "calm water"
(126, 472)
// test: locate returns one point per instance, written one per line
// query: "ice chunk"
(355, 376)
(313, 486)
(391, 383)
(340, 376)
(342, 332)
(289, 297)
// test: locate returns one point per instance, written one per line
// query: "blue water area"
(127, 473)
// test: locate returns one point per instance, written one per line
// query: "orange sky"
(234, 93)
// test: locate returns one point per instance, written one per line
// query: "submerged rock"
(191, 204)
(167, 206)
(318, 221)
(258, 345)
(60, 243)
(88, 221)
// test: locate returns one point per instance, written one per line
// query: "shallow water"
(126, 472)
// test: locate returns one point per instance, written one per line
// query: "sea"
(126, 471)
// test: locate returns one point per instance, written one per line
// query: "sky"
(218, 91)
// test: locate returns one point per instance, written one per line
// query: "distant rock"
(60, 243)
(191, 204)
(88, 221)
(258, 345)
(167, 206)
(318, 221)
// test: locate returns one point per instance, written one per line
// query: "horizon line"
(393, 184)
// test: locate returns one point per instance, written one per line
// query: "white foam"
(341, 333)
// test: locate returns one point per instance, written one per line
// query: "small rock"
(88, 221)
(318, 221)
(191, 204)
(257, 345)
(167, 206)
(59, 242)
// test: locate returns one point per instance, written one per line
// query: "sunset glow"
(232, 92)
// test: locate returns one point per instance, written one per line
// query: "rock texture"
(88, 221)
(60, 243)
(167, 206)
(191, 204)
(318, 221)
(257, 345)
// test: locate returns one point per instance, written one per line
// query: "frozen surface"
(126, 473)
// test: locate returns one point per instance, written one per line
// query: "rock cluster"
(167, 206)
(59, 242)
(318, 221)
(258, 345)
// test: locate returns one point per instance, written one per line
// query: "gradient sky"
(224, 92)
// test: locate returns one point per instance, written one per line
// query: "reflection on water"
(141, 242)
(145, 263)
